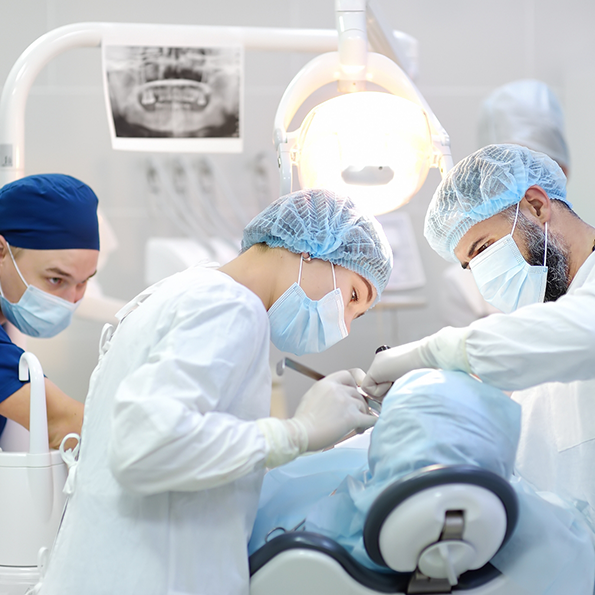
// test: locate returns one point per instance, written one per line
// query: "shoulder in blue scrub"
(10, 355)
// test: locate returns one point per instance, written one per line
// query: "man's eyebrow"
(62, 273)
(474, 245)
(58, 271)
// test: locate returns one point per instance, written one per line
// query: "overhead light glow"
(373, 147)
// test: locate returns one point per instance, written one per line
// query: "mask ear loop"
(518, 204)
(304, 256)
(545, 251)
(334, 278)
(15, 266)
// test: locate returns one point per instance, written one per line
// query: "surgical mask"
(300, 325)
(505, 279)
(37, 313)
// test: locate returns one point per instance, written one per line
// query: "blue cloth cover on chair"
(433, 417)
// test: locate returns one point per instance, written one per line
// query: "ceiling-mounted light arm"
(396, 45)
(350, 16)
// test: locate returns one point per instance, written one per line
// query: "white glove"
(327, 412)
(331, 409)
(446, 350)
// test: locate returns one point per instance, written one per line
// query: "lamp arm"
(350, 16)
(396, 45)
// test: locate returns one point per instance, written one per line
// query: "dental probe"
(373, 403)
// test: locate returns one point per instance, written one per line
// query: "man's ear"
(538, 203)
(3, 248)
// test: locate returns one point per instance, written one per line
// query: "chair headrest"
(407, 522)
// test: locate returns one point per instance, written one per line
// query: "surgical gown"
(164, 495)
(552, 346)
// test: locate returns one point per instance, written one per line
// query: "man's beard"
(556, 257)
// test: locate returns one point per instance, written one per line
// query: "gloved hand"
(327, 412)
(445, 350)
(332, 408)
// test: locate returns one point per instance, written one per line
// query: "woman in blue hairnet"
(49, 245)
(176, 433)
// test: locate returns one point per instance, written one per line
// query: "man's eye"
(482, 248)
(55, 280)
(354, 296)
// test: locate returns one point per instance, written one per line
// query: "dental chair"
(432, 531)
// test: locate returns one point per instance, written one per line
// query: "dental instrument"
(374, 404)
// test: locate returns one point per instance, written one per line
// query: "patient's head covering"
(484, 184)
(328, 227)
(527, 113)
(444, 417)
(49, 212)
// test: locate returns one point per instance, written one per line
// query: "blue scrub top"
(10, 355)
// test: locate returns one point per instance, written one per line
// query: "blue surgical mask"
(37, 313)
(300, 325)
(505, 279)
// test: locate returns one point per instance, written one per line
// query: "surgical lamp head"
(328, 227)
(525, 112)
(484, 184)
(375, 146)
(49, 212)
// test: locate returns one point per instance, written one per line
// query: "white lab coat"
(171, 463)
(552, 343)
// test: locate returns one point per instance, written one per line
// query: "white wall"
(467, 47)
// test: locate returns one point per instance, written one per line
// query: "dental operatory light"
(374, 146)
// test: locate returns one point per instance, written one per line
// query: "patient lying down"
(432, 417)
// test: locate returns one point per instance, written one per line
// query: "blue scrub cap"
(484, 184)
(527, 113)
(328, 227)
(49, 212)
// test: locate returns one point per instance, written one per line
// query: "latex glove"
(331, 409)
(327, 412)
(445, 349)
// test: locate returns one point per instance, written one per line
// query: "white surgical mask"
(300, 325)
(37, 313)
(505, 279)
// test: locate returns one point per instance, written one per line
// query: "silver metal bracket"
(454, 525)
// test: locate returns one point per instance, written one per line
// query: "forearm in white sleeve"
(550, 342)
(159, 445)
(286, 439)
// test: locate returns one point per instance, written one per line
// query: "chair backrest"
(442, 521)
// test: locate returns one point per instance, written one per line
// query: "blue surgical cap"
(527, 113)
(484, 184)
(49, 212)
(328, 227)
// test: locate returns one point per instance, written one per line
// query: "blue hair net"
(49, 212)
(484, 184)
(328, 227)
(527, 113)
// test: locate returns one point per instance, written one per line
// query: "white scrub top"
(171, 462)
(551, 343)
